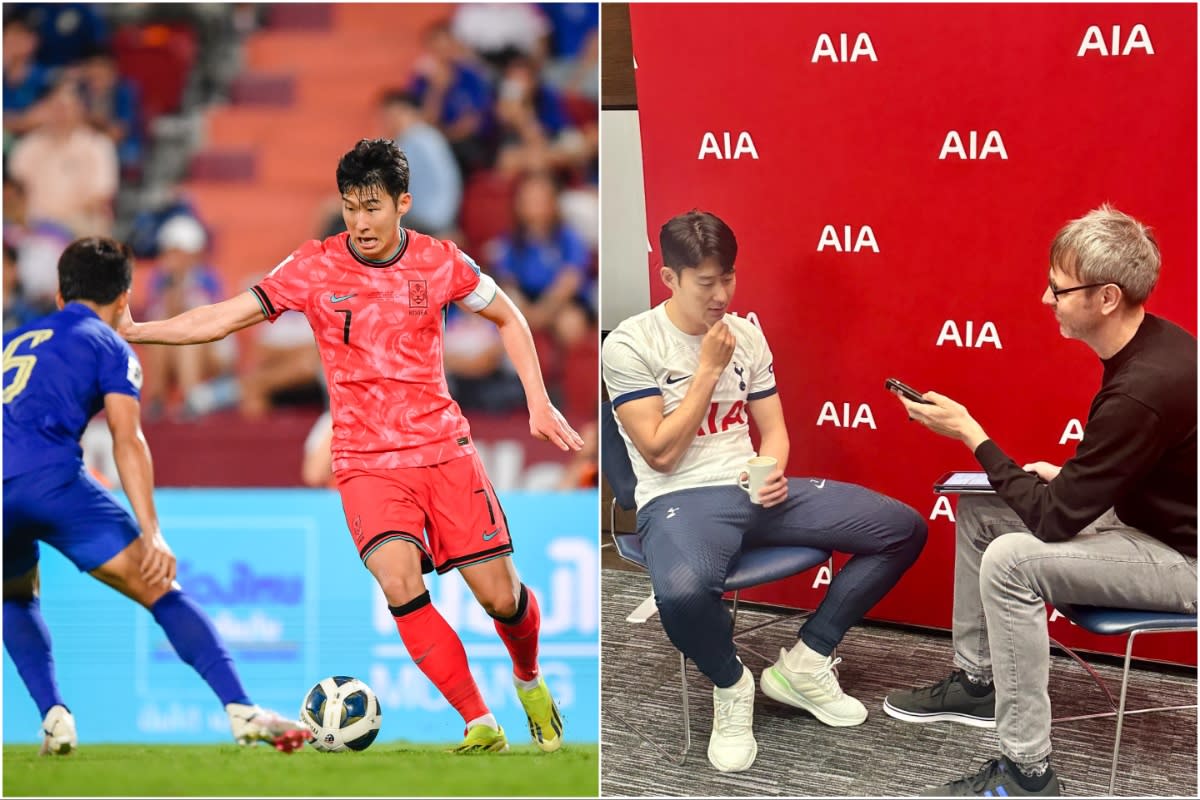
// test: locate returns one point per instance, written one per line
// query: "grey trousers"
(1003, 576)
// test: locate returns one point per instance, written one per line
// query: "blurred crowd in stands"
(498, 119)
(68, 121)
(76, 132)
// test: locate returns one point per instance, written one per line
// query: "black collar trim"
(380, 264)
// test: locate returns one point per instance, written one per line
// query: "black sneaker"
(994, 780)
(945, 701)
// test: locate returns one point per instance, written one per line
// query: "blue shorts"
(67, 509)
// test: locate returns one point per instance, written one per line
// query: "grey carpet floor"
(798, 756)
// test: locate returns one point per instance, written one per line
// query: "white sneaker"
(732, 747)
(253, 724)
(817, 692)
(58, 732)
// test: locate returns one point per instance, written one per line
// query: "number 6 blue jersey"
(57, 371)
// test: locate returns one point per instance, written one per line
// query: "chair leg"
(1112, 776)
(675, 758)
(751, 629)
(687, 714)
(1108, 695)
(738, 635)
(664, 672)
(737, 638)
(679, 758)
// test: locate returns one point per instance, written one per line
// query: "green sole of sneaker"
(777, 688)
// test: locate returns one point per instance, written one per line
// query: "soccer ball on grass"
(341, 713)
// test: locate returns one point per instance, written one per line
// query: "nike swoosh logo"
(487, 537)
(677, 380)
(820, 485)
(418, 661)
(336, 298)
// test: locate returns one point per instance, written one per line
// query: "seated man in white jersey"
(682, 377)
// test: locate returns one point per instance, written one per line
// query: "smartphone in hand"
(912, 394)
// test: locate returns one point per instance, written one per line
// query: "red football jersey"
(379, 329)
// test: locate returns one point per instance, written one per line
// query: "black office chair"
(755, 567)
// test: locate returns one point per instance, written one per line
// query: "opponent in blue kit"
(59, 371)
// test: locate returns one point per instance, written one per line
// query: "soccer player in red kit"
(414, 492)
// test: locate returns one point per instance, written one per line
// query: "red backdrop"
(940, 283)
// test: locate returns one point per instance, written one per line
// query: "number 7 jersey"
(379, 329)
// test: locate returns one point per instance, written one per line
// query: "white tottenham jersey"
(647, 355)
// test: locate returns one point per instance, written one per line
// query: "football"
(341, 713)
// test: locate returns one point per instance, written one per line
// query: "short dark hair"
(374, 164)
(688, 239)
(96, 268)
(19, 17)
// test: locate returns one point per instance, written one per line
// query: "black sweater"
(1138, 453)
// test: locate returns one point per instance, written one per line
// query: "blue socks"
(196, 641)
(27, 641)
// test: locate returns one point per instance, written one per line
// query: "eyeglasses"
(1057, 292)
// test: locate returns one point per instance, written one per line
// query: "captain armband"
(482, 296)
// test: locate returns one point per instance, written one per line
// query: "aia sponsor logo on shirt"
(418, 298)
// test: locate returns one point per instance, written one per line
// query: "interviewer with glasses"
(1113, 526)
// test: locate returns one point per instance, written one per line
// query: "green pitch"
(395, 769)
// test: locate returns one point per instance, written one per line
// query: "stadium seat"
(158, 58)
(299, 57)
(486, 207)
(196, 453)
(580, 109)
(300, 16)
(263, 89)
(755, 567)
(324, 54)
(580, 380)
(220, 165)
(416, 19)
(1120, 622)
